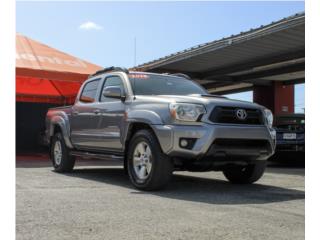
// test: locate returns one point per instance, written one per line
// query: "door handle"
(75, 113)
(97, 111)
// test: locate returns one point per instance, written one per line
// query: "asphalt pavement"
(97, 201)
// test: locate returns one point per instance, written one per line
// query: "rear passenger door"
(84, 120)
(111, 116)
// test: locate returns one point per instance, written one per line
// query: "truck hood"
(207, 100)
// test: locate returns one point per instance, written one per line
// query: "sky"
(104, 32)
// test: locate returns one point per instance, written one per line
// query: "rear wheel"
(59, 153)
(148, 167)
(248, 174)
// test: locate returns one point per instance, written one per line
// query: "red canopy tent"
(47, 75)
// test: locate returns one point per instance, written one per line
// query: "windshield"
(152, 84)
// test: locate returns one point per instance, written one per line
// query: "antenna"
(134, 64)
(135, 51)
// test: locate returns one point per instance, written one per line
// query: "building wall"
(284, 98)
(278, 98)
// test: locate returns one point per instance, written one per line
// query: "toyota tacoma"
(157, 124)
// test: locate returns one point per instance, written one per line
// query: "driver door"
(111, 120)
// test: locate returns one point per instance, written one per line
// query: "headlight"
(269, 117)
(186, 111)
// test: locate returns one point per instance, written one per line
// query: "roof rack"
(110, 69)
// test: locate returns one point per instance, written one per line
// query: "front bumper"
(217, 140)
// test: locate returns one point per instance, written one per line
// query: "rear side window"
(114, 81)
(89, 91)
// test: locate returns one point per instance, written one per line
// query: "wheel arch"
(59, 124)
(134, 127)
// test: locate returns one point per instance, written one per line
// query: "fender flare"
(146, 117)
(64, 125)
(139, 116)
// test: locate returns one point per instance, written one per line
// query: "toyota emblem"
(241, 114)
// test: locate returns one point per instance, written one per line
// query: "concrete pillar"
(278, 98)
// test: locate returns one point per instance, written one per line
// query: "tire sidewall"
(66, 161)
(138, 138)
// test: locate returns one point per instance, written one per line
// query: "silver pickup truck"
(157, 124)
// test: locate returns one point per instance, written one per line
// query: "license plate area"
(289, 136)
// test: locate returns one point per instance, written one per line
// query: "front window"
(111, 81)
(153, 84)
(89, 91)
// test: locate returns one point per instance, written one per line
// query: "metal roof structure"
(273, 52)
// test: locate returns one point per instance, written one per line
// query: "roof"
(47, 75)
(237, 59)
(34, 55)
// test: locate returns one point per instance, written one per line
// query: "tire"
(66, 162)
(125, 166)
(144, 146)
(245, 175)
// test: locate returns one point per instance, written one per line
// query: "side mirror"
(113, 92)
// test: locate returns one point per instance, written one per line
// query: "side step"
(89, 155)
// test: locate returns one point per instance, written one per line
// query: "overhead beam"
(238, 90)
(257, 82)
(251, 64)
(265, 73)
(231, 88)
(216, 84)
(271, 72)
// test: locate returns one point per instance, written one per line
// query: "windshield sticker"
(140, 76)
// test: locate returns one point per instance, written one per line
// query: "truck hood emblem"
(241, 114)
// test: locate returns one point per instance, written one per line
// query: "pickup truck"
(290, 129)
(157, 124)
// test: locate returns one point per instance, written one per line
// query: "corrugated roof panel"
(268, 45)
(276, 38)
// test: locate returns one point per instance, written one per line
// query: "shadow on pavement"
(197, 189)
(187, 188)
(44, 162)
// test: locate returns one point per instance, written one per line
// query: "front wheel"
(245, 175)
(59, 153)
(148, 167)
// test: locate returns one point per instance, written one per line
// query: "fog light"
(183, 143)
(187, 143)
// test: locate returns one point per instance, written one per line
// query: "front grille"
(228, 115)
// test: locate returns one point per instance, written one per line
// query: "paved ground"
(98, 202)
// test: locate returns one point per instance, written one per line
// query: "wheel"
(59, 153)
(148, 167)
(248, 174)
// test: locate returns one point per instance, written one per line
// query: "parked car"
(160, 123)
(290, 130)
